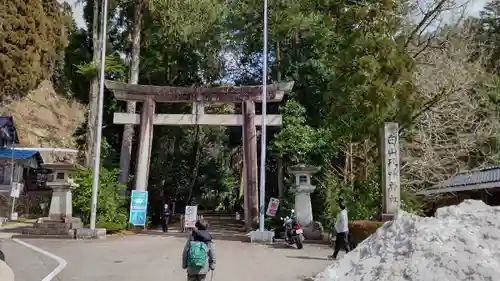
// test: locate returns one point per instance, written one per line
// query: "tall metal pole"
(12, 166)
(263, 126)
(98, 127)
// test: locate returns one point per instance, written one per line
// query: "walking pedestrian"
(198, 257)
(166, 217)
(342, 229)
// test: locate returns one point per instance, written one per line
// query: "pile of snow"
(461, 243)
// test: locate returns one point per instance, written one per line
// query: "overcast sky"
(477, 5)
(77, 12)
(474, 7)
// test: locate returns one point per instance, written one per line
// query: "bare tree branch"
(453, 130)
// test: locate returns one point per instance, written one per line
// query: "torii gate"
(149, 95)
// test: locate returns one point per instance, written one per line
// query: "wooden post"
(246, 209)
(390, 170)
(250, 143)
(279, 162)
(281, 184)
(146, 139)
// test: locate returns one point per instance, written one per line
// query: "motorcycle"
(293, 231)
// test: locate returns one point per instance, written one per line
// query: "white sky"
(477, 5)
(77, 12)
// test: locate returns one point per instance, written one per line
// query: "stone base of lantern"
(256, 236)
(313, 231)
(387, 217)
(55, 227)
(87, 233)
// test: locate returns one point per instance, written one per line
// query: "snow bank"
(461, 243)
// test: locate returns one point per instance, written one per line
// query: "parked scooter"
(293, 231)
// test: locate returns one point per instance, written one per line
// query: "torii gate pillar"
(145, 143)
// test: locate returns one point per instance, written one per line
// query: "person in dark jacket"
(166, 217)
(199, 234)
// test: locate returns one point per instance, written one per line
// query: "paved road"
(153, 258)
(27, 264)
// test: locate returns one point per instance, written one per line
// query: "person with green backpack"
(198, 257)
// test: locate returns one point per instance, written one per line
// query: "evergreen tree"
(32, 36)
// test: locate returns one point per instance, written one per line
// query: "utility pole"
(97, 148)
(263, 127)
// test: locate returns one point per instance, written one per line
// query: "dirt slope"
(45, 119)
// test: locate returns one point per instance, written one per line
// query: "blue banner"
(138, 208)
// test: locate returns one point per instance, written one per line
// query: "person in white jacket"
(342, 229)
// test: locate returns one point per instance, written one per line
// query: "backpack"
(166, 213)
(197, 257)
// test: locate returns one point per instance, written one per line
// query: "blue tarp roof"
(6, 153)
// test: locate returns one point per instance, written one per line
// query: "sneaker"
(331, 257)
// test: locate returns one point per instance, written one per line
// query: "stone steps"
(41, 236)
(49, 227)
(54, 225)
(47, 231)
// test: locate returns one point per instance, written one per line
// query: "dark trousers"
(196, 277)
(165, 223)
(342, 242)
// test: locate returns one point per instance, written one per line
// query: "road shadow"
(215, 236)
(281, 245)
(317, 242)
(307, 258)
(221, 226)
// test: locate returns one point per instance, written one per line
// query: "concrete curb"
(6, 273)
(73, 234)
(39, 236)
(6, 235)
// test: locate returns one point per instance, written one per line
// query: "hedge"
(362, 229)
(111, 227)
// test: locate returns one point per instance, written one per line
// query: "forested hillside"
(356, 64)
(34, 37)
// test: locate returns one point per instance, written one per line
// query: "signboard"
(190, 216)
(272, 207)
(138, 208)
(15, 190)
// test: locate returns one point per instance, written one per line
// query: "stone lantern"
(303, 207)
(62, 184)
(60, 220)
